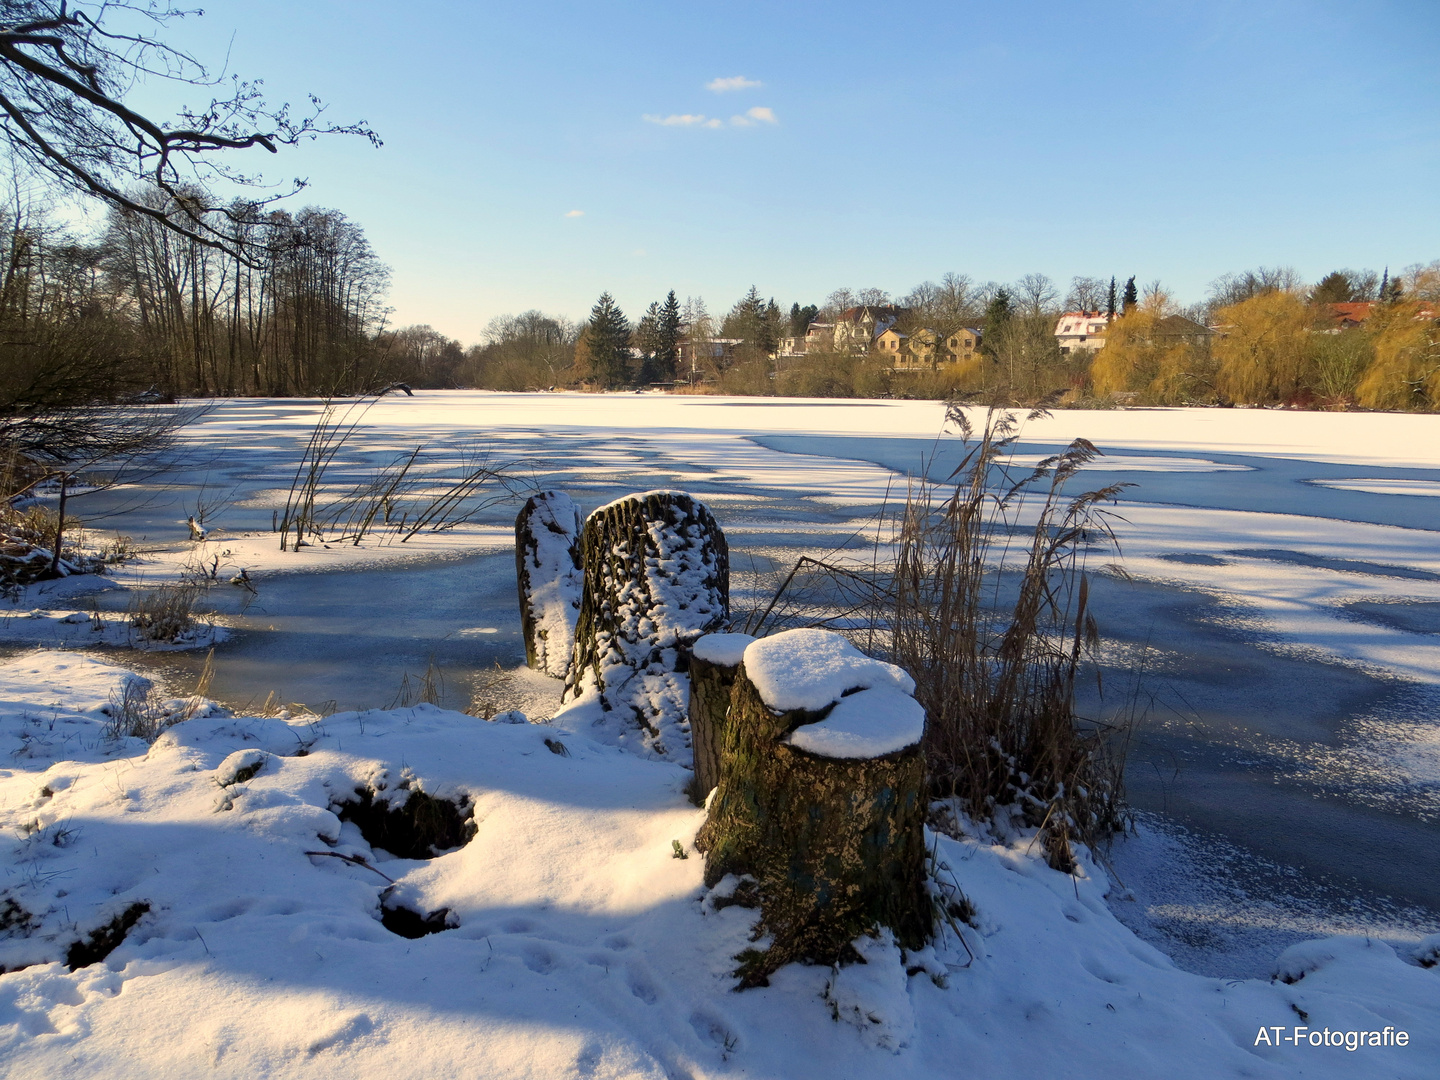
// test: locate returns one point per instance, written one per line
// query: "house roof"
(1078, 322)
(1353, 312)
(1176, 325)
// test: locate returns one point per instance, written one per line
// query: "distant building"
(857, 328)
(820, 337)
(891, 344)
(964, 343)
(697, 360)
(1178, 330)
(1081, 331)
(1347, 316)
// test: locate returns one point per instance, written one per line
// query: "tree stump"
(714, 662)
(548, 574)
(657, 577)
(821, 799)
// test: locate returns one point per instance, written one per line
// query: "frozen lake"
(1279, 622)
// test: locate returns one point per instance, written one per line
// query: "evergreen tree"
(667, 339)
(658, 337)
(1110, 307)
(801, 318)
(1334, 288)
(998, 315)
(1131, 297)
(607, 343)
(646, 339)
(767, 340)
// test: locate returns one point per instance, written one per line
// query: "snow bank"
(579, 944)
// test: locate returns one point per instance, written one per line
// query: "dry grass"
(428, 688)
(978, 588)
(990, 614)
(165, 614)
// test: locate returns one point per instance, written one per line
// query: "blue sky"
(1174, 141)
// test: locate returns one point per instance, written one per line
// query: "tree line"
(1260, 337)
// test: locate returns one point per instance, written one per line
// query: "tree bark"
(549, 579)
(835, 845)
(711, 681)
(657, 577)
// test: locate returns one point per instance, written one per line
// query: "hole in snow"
(409, 923)
(420, 827)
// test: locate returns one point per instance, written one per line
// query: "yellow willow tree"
(1266, 354)
(1142, 356)
(1405, 373)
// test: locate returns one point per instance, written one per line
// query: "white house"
(1081, 331)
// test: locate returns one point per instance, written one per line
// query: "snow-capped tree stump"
(714, 662)
(547, 571)
(657, 577)
(821, 799)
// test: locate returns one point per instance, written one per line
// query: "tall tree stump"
(548, 574)
(821, 799)
(657, 577)
(714, 662)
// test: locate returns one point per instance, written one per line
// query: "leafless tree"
(1087, 294)
(1035, 294)
(65, 72)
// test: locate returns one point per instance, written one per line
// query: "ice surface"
(809, 669)
(868, 724)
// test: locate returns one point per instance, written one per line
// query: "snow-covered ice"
(1258, 539)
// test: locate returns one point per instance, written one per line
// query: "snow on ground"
(1329, 558)
(578, 944)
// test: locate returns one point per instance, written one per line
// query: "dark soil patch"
(419, 828)
(106, 939)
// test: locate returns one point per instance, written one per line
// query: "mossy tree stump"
(656, 578)
(714, 663)
(549, 578)
(821, 799)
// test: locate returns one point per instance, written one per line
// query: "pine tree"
(767, 337)
(667, 339)
(607, 342)
(998, 314)
(658, 337)
(1110, 307)
(1131, 297)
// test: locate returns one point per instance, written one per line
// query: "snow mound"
(727, 650)
(874, 994)
(1307, 957)
(868, 724)
(811, 669)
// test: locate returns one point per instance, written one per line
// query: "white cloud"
(679, 120)
(733, 82)
(574, 213)
(759, 114)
